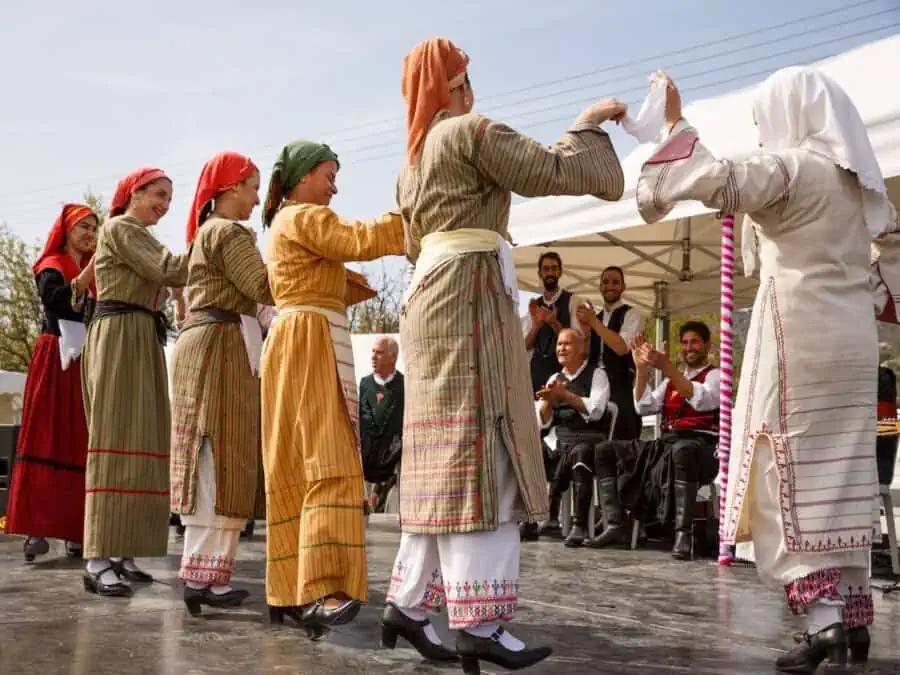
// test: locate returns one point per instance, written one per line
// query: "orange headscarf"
(54, 255)
(430, 71)
(223, 171)
(129, 185)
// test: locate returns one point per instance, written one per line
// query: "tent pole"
(661, 314)
(726, 366)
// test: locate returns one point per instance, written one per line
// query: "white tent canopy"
(681, 254)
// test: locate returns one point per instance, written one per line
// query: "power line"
(393, 119)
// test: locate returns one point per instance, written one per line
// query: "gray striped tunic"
(126, 398)
(468, 387)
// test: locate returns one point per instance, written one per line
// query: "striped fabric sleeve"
(582, 162)
(244, 266)
(141, 251)
(324, 233)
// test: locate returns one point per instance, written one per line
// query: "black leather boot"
(528, 531)
(829, 643)
(582, 495)
(616, 531)
(685, 501)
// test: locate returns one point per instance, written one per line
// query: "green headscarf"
(294, 161)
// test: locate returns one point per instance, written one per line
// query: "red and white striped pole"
(726, 367)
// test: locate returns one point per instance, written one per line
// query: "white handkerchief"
(71, 341)
(253, 341)
(647, 127)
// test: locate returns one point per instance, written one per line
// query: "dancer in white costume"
(801, 482)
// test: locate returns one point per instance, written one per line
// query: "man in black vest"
(547, 315)
(571, 408)
(381, 402)
(612, 329)
(664, 473)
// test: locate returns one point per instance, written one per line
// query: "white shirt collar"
(386, 380)
(576, 373)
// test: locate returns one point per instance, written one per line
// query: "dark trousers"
(886, 458)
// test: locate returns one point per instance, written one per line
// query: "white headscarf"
(803, 107)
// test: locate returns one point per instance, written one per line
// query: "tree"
(381, 314)
(20, 306)
(96, 202)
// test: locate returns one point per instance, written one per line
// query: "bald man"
(381, 420)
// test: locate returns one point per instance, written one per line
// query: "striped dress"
(126, 397)
(314, 487)
(216, 395)
(468, 389)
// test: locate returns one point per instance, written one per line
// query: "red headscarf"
(430, 71)
(54, 255)
(223, 171)
(129, 185)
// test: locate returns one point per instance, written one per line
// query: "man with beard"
(664, 473)
(547, 316)
(612, 329)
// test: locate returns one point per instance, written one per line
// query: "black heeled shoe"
(472, 649)
(73, 550)
(134, 576)
(344, 613)
(313, 630)
(35, 546)
(92, 584)
(859, 641)
(396, 624)
(829, 643)
(195, 598)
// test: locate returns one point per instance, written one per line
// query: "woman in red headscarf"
(471, 450)
(215, 406)
(47, 494)
(126, 395)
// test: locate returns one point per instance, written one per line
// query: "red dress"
(46, 496)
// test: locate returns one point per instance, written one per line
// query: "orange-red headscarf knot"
(430, 71)
(223, 171)
(129, 185)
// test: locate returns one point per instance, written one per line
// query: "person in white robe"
(801, 480)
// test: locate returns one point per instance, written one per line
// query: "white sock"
(507, 639)
(431, 634)
(95, 565)
(220, 590)
(195, 585)
(822, 614)
(129, 565)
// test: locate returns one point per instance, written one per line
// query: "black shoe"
(582, 498)
(616, 533)
(396, 624)
(529, 532)
(92, 584)
(249, 528)
(195, 598)
(73, 550)
(829, 643)
(551, 529)
(472, 649)
(576, 537)
(134, 576)
(35, 546)
(337, 616)
(313, 630)
(858, 640)
(685, 501)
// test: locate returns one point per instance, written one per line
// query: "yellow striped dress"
(314, 483)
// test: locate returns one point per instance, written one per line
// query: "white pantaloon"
(210, 540)
(476, 575)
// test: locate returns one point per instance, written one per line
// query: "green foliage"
(20, 305)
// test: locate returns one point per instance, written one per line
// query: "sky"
(96, 89)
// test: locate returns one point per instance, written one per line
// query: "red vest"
(678, 415)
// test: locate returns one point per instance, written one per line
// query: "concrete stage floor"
(619, 612)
